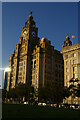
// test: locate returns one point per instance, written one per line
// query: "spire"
(31, 13)
(30, 22)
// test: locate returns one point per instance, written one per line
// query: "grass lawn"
(27, 111)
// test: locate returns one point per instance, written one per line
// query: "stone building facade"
(34, 61)
(71, 56)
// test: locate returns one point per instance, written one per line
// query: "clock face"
(33, 34)
(24, 33)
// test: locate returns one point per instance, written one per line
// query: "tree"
(4, 93)
(30, 94)
(53, 92)
(74, 88)
(43, 94)
(24, 92)
(78, 90)
(12, 93)
(66, 92)
(21, 91)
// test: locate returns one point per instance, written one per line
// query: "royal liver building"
(34, 61)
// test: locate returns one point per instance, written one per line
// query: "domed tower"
(67, 42)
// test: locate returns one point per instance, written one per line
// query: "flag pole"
(73, 37)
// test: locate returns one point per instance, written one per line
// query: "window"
(24, 62)
(20, 73)
(36, 81)
(74, 61)
(67, 83)
(24, 58)
(21, 69)
(34, 63)
(21, 64)
(20, 78)
(37, 59)
(66, 62)
(37, 55)
(24, 72)
(66, 56)
(74, 54)
(67, 70)
(37, 71)
(74, 75)
(37, 65)
(34, 57)
(67, 77)
(74, 69)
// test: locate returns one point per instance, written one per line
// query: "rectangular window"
(34, 63)
(20, 78)
(36, 81)
(66, 56)
(74, 76)
(21, 69)
(37, 65)
(74, 61)
(74, 69)
(21, 63)
(67, 84)
(74, 54)
(67, 70)
(37, 55)
(20, 73)
(67, 77)
(34, 57)
(66, 62)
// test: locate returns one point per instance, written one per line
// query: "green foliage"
(20, 91)
(66, 92)
(53, 92)
(74, 87)
(78, 91)
(4, 92)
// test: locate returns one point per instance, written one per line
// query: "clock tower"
(30, 32)
(29, 42)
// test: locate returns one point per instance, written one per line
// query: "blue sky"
(54, 21)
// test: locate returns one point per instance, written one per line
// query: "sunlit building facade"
(71, 56)
(34, 61)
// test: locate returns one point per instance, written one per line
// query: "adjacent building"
(34, 61)
(71, 56)
(5, 81)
